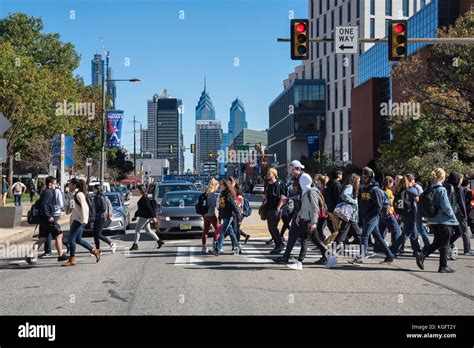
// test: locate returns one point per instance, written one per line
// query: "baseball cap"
(296, 164)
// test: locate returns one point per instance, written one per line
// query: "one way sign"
(347, 39)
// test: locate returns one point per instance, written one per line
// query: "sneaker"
(113, 248)
(295, 265)
(388, 260)
(160, 244)
(281, 259)
(446, 270)
(213, 252)
(322, 261)
(356, 262)
(451, 254)
(45, 254)
(134, 247)
(30, 260)
(246, 239)
(63, 257)
(269, 242)
(236, 251)
(204, 249)
(277, 250)
(420, 260)
(331, 262)
(469, 252)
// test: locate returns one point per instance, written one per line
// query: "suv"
(157, 190)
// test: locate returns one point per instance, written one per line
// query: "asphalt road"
(178, 279)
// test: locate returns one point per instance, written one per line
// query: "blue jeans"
(75, 237)
(17, 200)
(385, 224)
(370, 226)
(227, 227)
(422, 230)
(409, 231)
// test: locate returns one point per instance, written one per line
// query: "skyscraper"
(208, 140)
(237, 118)
(205, 109)
(97, 70)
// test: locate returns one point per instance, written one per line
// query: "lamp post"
(104, 123)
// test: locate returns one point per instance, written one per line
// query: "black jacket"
(228, 206)
(100, 206)
(47, 205)
(332, 194)
(145, 209)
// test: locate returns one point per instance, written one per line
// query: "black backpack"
(202, 207)
(91, 205)
(403, 203)
(33, 216)
(428, 204)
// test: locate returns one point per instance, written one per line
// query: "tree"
(117, 165)
(441, 80)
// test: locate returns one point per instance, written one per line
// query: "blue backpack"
(246, 209)
(385, 212)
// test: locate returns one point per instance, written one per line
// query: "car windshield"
(170, 188)
(114, 199)
(181, 199)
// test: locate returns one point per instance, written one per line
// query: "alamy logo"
(411, 109)
(37, 331)
(75, 109)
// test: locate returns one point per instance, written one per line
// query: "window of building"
(358, 9)
(317, 27)
(344, 93)
(406, 8)
(341, 121)
(311, 10)
(340, 15)
(328, 71)
(317, 50)
(352, 83)
(312, 70)
(327, 4)
(352, 64)
(335, 67)
(341, 146)
(422, 3)
(372, 28)
(344, 58)
(386, 27)
(349, 11)
(349, 119)
(332, 20)
(336, 96)
(333, 122)
(372, 7)
(332, 47)
(325, 23)
(329, 97)
(333, 150)
(320, 6)
(349, 145)
(320, 69)
(325, 49)
(415, 6)
(388, 7)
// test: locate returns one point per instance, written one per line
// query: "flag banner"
(114, 128)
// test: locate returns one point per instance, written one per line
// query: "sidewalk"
(25, 231)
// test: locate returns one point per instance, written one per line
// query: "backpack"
(403, 203)
(202, 207)
(33, 216)
(18, 188)
(246, 209)
(428, 204)
(109, 209)
(91, 207)
(385, 212)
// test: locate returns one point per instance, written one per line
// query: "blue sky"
(166, 51)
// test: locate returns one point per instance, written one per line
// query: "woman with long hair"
(237, 224)
(228, 210)
(210, 217)
(79, 209)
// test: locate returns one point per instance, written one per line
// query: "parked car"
(258, 189)
(177, 214)
(124, 191)
(156, 191)
(121, 216)
(105, 186)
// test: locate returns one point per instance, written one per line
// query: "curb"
(28, 232)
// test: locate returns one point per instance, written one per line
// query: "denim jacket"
(347, 197)
(445, 214)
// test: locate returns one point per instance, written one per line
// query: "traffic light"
(299, 39)
(193, 148)
(397, 39)
(210, 155)
(170, 148)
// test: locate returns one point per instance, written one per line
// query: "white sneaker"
(204, 249)
(113, 248)
(331, 262)
(296, 265)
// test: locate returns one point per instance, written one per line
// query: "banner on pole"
(114, 128)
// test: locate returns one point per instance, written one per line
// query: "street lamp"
(104, 130)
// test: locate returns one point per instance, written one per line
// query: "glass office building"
(424, 23)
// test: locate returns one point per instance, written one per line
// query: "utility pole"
(134, 149)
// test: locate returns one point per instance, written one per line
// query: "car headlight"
(164, 218)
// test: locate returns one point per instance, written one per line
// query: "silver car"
(177, 214)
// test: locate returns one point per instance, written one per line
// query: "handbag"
(344, 211)
(262, 211)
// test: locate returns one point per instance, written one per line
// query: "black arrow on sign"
(342, 47)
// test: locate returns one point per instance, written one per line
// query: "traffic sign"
(5, 124)
(346, 40)
(88, 162)
(3, 150)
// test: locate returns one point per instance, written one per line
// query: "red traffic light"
(399, 28)
(300, 27)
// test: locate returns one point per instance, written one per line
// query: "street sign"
(88, 162)
(4, 124)
(3, 150)
(346, 40)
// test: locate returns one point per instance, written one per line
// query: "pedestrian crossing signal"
(299, 39)
(397, 40)
(170, 149)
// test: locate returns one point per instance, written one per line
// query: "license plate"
(185, 226)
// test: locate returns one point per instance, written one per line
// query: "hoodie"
(371, 200)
